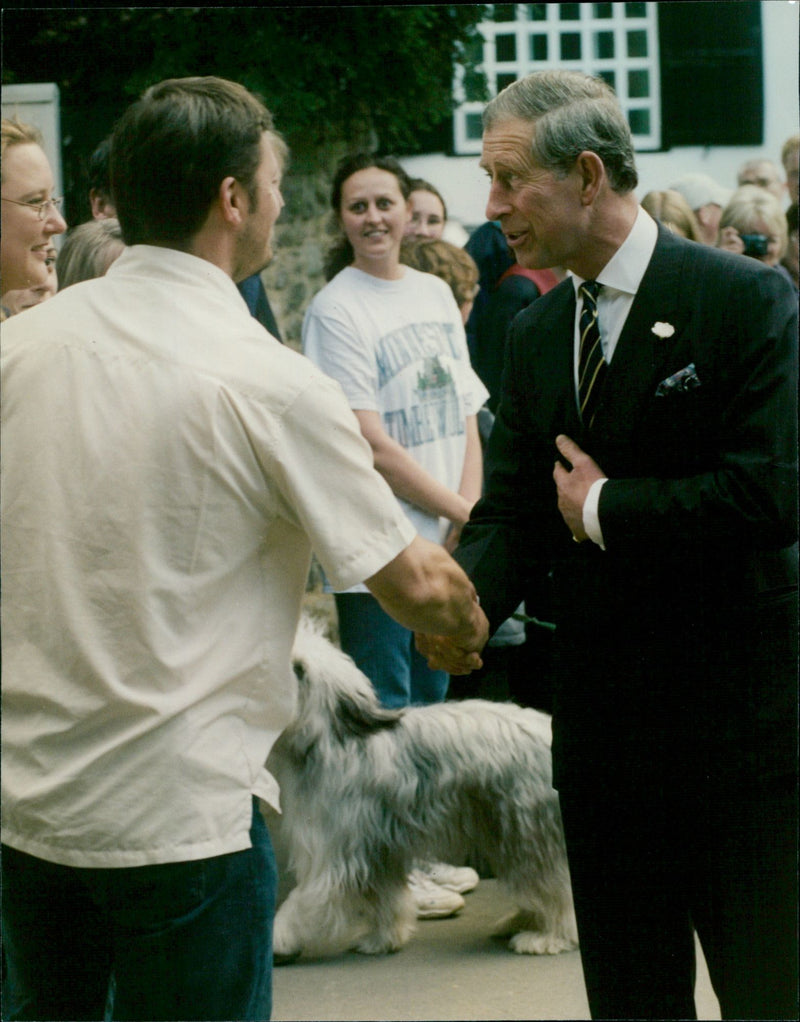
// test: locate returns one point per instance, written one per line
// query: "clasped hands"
(572, 485)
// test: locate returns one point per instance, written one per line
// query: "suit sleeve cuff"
(591, 517)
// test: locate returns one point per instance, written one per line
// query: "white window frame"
(620, 64)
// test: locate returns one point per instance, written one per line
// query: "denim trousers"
(179, 941)
(384, 650)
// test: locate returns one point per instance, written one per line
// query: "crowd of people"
(170, 466)
(695, 206)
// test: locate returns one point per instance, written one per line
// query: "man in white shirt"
(167, 470)
(661, 506)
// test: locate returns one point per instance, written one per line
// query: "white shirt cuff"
(591, 518)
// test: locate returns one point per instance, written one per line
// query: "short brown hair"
(172, 149)
(454, 265)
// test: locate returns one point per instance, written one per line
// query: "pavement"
(450, 969)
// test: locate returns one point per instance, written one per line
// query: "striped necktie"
(591, 364)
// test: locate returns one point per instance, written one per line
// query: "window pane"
(504, 80)
(538, 47)
(569, 12)
(638, 84)
(639, 121)
(609, 77)
(637, 44)
(474, 126)
(537, 12)
(570, 46)
(604, 45)
(635, 10)
(505, 12)
(505, 47)
(474, 51)
(603, 11)
(474, 88)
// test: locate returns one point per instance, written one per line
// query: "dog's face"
(335, 698)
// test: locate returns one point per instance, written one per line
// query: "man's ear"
(233, 202)
(592, 174)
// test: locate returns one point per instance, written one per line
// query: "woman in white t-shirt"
(393, 338)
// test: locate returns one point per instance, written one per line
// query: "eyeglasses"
(41, 208)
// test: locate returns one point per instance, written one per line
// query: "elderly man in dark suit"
(644, 458)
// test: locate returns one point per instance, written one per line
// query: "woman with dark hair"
(393, 337)
(428, 211)
(342, 253)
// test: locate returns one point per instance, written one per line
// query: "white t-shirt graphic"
(398, 347)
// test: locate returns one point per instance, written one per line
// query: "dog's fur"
(367, 792)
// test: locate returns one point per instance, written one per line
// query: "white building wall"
(465, 187)
(38, 105)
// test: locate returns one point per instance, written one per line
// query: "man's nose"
(496, 204)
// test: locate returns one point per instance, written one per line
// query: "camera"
(755, 244)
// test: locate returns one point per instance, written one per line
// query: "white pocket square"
(683, 380)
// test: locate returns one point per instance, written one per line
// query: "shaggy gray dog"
(368, 792)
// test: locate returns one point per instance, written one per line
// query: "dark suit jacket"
(253, 291)
(659, 638)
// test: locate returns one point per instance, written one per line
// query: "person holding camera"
(753, 224)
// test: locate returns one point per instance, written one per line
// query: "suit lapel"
(555, 360)
(642, 357)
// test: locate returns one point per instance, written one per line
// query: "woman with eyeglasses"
(30, 215)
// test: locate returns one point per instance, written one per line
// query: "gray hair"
(573, 112)
(88, 251)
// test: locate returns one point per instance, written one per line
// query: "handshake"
(456, 654)
(426, 591)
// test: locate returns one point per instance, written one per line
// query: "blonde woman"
(29, 214)
(674, 212)
(753, 224)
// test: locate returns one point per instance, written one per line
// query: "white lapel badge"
(663, 330)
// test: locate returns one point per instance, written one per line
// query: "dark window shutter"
(712, 82)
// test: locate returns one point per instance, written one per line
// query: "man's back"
(154, 559)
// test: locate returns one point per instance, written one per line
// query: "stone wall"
(303, 235)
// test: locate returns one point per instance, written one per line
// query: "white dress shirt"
(167, 468)
(620, 277)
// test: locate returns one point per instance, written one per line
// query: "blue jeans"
(385, 652)
(180, 941)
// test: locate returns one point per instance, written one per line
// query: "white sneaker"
(433, 901)
(454, 878)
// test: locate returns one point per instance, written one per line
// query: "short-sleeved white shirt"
(398, 347)
(167, 468)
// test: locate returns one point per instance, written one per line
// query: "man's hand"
(444, 654)
(574, 484)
